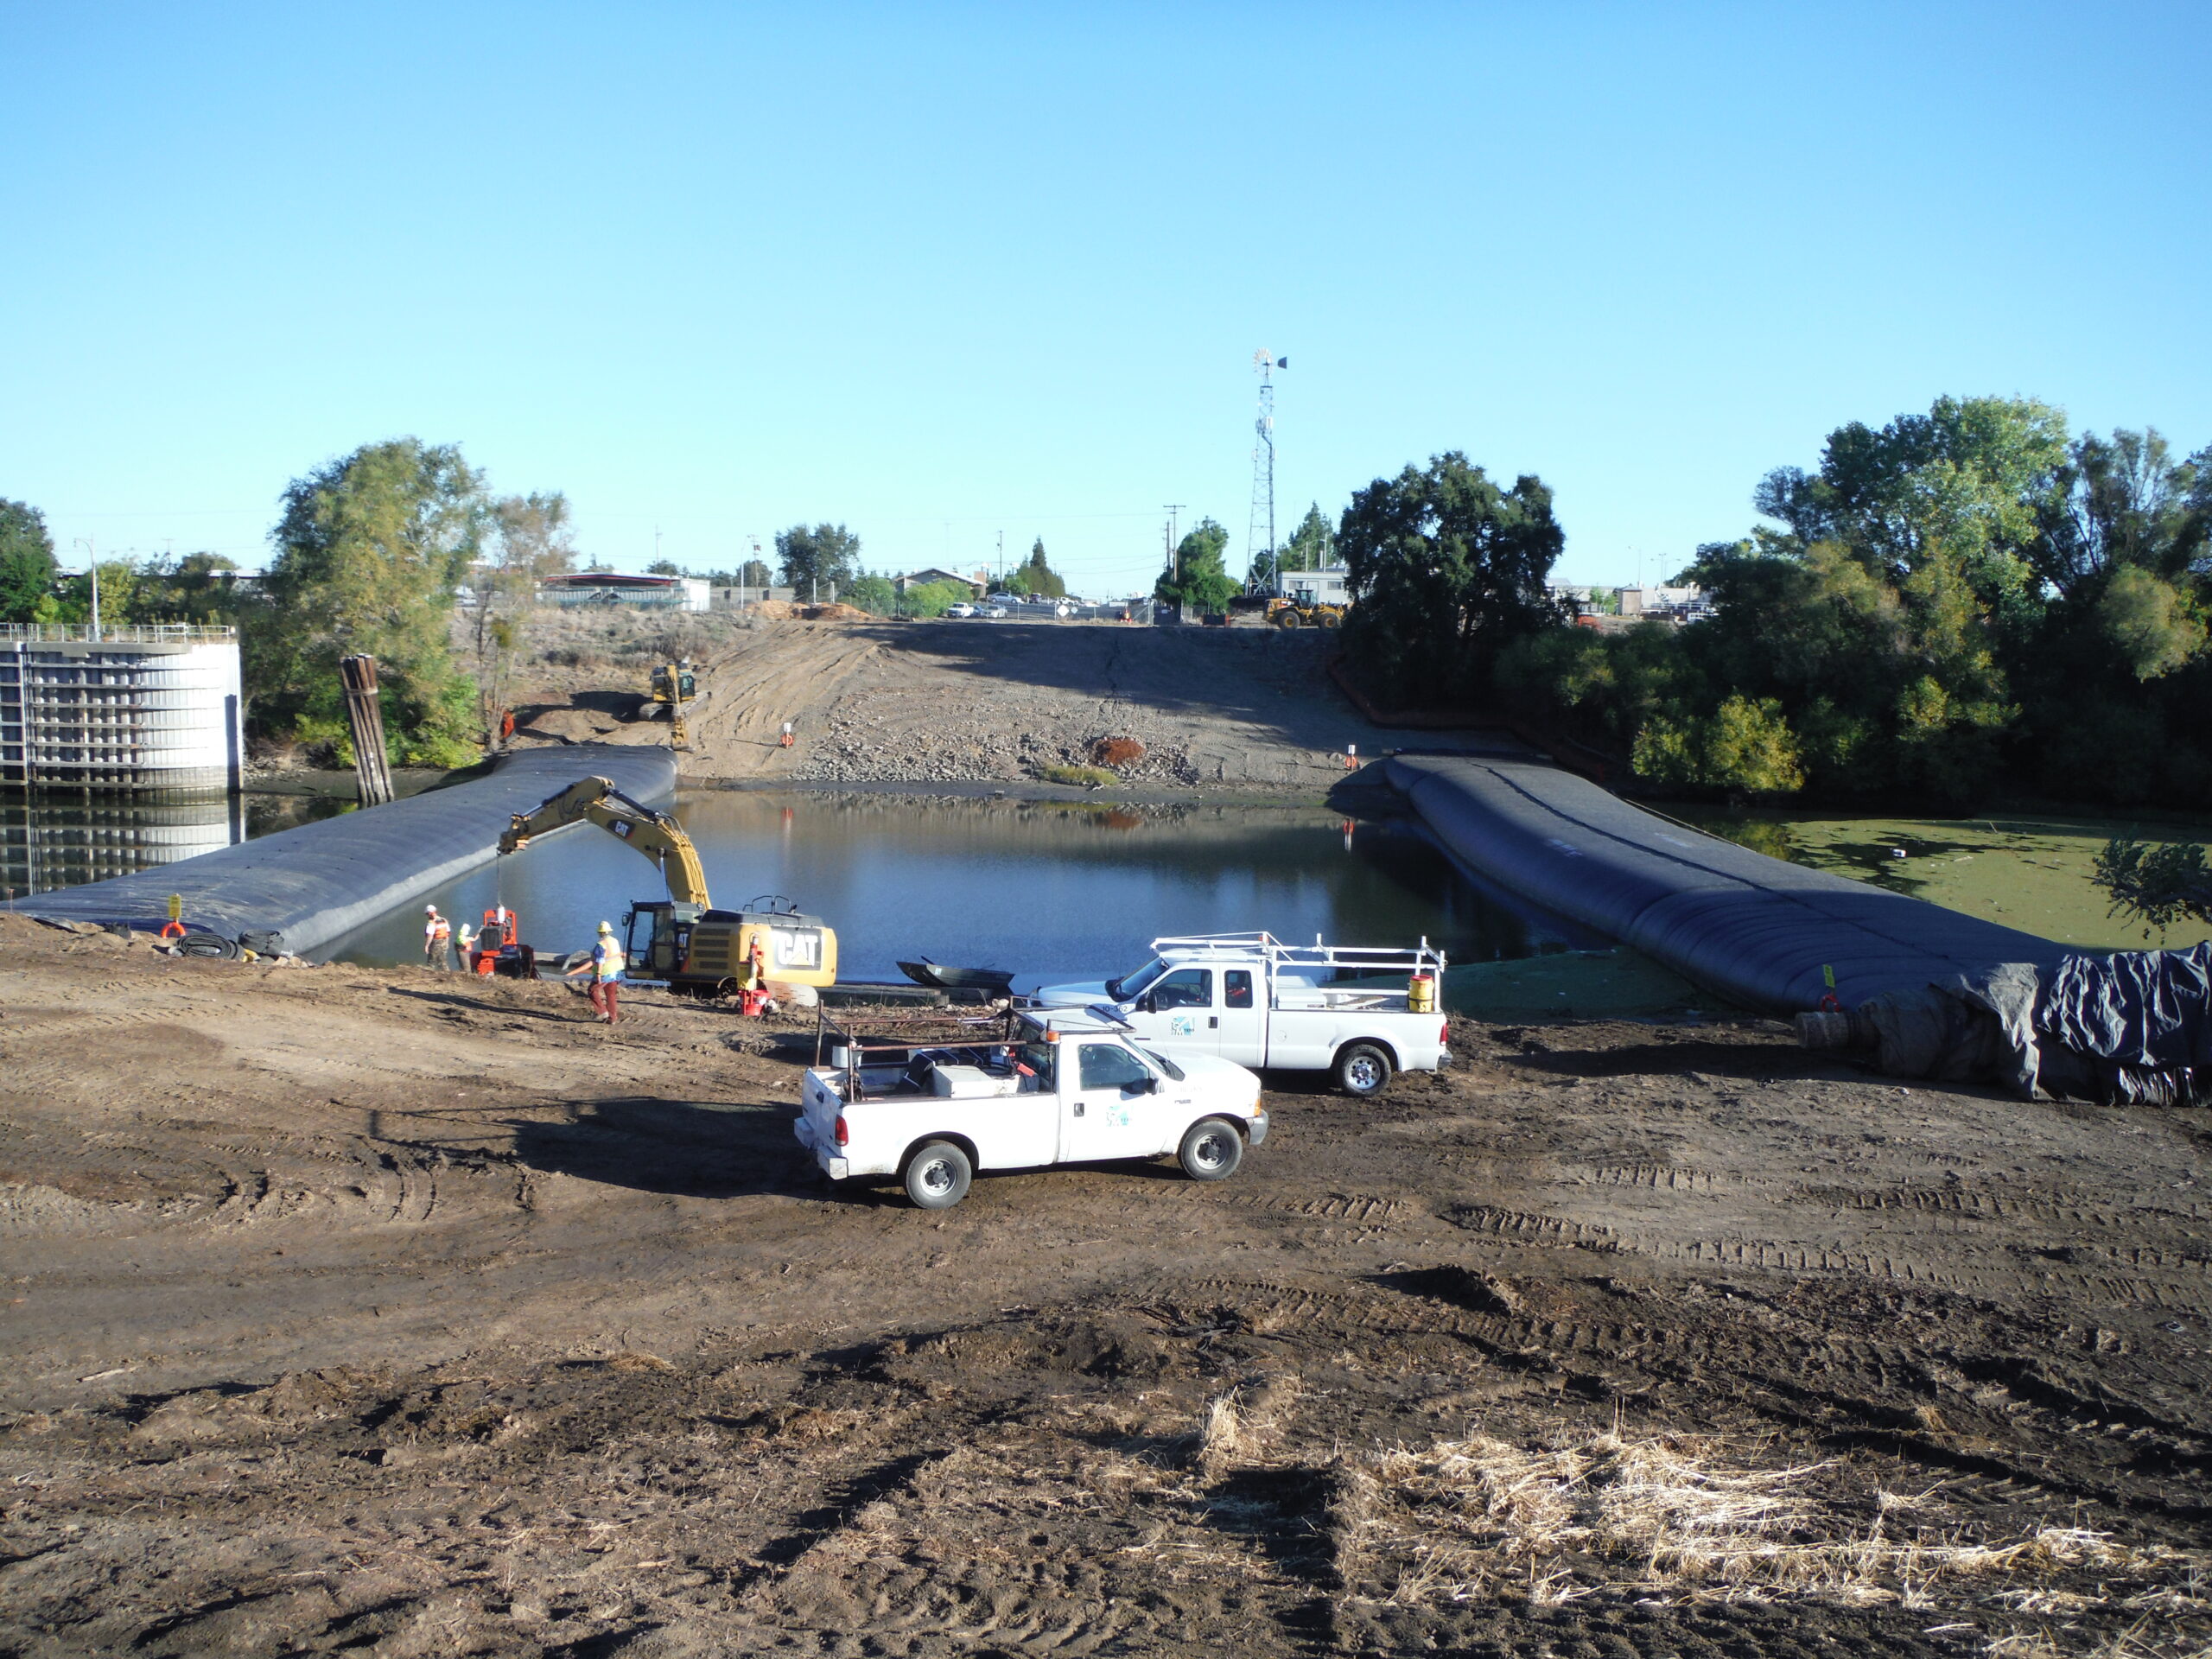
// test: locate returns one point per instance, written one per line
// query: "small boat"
(988, 980)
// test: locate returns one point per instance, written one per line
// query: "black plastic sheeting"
(2151, 1010)
(313, 883)
(1753, 928)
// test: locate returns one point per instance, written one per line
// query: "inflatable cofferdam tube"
(1753, 928)
(323, 879)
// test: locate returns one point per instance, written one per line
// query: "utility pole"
(1174, 542)
(1001, 560)
(93, 579)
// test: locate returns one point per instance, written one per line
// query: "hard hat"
(606, 927)
(430, 910)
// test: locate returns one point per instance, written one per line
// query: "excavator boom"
(595, 800)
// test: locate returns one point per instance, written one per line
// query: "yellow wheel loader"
(682, 940)
(1297, 614)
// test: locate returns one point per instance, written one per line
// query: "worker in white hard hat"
(437, 938)
(605, 965)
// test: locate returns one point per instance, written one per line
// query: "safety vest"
(440, 929)
(607, 959)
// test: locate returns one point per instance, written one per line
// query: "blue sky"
(943, 272)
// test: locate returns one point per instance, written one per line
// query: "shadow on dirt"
(478, 1005)
(652, 1144)
(1716, 1062)
(1267, 676)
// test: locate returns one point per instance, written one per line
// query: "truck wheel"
(1287, 619)
(1211, 1149)
(1363, 1069)
(937, 1176)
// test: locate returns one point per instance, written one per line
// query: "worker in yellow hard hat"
(605, 965)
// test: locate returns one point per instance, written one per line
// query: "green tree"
(27, 565)
(368, 553)
(1198, 580)
(2153, 627)
(815, 563)
(1312, 546)
(874, 593)
(664, 568)
(1977, 476)
(1447, 569)
(1742, 747)
(935, 598)
(530, 540)
(754, 572)
(2122, 502)
(1035, 577)
(198, 588)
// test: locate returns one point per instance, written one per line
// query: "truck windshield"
(1164, 1064)
(1130, 987)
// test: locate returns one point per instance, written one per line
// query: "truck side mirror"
(1147, 1004)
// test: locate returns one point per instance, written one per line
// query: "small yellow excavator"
(685, 941)
(675, 684)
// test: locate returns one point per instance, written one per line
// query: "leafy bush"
(1084, 777)
(1742, 747)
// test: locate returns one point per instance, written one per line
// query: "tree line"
(372, 552)
(1957, 602)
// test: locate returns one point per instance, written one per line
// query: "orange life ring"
(173, 929)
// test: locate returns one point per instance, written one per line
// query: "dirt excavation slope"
(406, 1314)
(985, 701)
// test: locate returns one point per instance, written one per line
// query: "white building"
(155, 706)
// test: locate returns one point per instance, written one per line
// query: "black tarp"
(1756, 929)
(312, 884)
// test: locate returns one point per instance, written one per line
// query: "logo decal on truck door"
(1182, 1025)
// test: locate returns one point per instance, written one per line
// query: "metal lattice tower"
(1260, 529)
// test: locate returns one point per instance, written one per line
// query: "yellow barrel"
(1421, 994)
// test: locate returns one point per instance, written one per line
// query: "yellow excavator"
(685, 941)
(675, 684)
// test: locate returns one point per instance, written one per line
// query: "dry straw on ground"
(1477, 1518)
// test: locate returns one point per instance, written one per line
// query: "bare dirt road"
(963, 701)
(403, 1314)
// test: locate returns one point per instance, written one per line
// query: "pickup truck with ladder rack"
(1361, 1015)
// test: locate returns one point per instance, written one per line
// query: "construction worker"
(604, 966)
(437, 939)
(465, 947)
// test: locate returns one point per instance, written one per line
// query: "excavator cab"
(657, 938)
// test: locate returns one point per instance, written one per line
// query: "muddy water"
(1049, 890)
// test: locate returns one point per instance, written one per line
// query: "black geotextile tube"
(313, 883)
(1756, 929)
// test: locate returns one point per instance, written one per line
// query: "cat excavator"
(682, 940)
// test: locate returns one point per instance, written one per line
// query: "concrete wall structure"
(137, 707)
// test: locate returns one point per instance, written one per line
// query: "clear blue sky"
(941, 272)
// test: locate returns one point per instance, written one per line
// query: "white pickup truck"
(1249, 998)
(1025, 1090)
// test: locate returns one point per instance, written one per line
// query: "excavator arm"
(595, 800)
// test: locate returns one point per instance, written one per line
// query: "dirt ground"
(949, 701)
(404, 1314)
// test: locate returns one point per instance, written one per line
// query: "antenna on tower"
(1260, 529)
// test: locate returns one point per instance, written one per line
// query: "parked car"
(1049, 1087)
(1249, 998)
(991, 610)
(1005, 599)
(962, 609)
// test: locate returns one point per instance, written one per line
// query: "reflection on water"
(1047, 890)
(52, 838)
